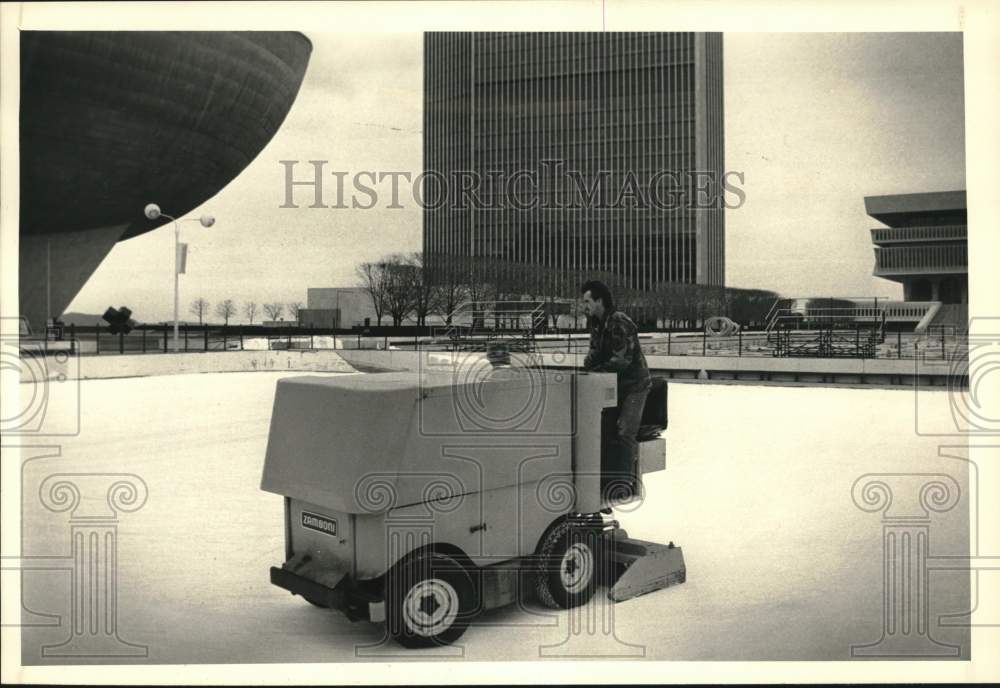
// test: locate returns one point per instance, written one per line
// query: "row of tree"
(228, 308)
(401, 286)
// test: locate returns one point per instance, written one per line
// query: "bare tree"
(250, 310)
(293, 309)
(424, 293)
(661, 301)
(548, 292)
(199, 307)
(448, 291)
(579, 314)
(401, 284)
(374, 279)
(479, 286)
(273, 311)
(226, 310)
(626, 299)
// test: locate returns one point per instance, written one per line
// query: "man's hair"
(599, 290)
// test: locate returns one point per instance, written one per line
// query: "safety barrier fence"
(159, 338)
(853, 343)
(937, 343)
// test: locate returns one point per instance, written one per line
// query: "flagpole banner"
(182, 252)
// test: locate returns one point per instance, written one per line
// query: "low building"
(925, 248)
(339, 307)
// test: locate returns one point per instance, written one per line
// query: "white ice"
(781, 564)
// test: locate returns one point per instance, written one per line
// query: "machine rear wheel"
(429, 601)
(566, 566)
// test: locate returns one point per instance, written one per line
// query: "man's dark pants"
(629, 418)
(624, 468)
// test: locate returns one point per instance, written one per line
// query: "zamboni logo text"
(320, 523)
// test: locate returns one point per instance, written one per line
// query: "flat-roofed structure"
(925, 246)
(339, 307)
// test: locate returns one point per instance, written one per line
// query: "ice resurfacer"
(420, 499)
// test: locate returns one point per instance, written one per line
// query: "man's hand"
(621, 353)
(594, 361)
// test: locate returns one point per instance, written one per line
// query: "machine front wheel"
(429, 601)
(566, 566)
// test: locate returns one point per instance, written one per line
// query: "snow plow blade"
(643, 567)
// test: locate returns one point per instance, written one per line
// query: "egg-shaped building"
(110, 121)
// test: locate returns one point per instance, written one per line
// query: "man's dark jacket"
(614, 348)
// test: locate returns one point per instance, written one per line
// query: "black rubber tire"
(443, 575)
(549, 580)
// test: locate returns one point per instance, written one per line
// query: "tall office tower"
(575, 153)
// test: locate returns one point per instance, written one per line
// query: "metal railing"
(790, 318)
(939, 342)
(907, 311)
(864, 306)
(152, 339)
(943, 344)
(904, 259)
(475, 324)
(886, 235)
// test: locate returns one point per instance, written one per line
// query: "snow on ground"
(315, 342)
(781, 563)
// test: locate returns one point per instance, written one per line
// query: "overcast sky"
(816, 122)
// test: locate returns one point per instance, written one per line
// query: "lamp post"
(153, 212)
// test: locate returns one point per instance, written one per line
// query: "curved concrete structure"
(111, 121)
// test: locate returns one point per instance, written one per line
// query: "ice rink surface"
(781, 563)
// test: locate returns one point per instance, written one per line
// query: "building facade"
(572, 153)
(338, 307)
(924, 246)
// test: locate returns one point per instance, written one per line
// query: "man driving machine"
(614, 348)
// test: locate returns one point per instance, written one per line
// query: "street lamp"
(153, 212)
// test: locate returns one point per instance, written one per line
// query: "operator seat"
(615, 466)
(654, 413)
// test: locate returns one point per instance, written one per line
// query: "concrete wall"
(141, 365)
(750, 369)
(717, 368)
(354, 304)
(54, 267)
(319, 317)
